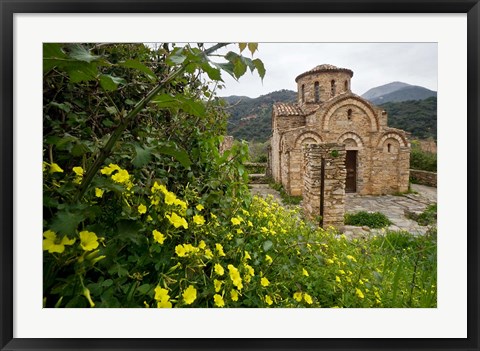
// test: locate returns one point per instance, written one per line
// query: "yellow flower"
(268, 259)
(159, 237)
(329, 261)
(142, 209)
(160, 187)
(88, 240)
(180, 251)
(234, 295)
(351, 258)
(235, 276)
(235, 221)
(307, 298)
(98, 192)
(78, 171)
(219, 269)
(121, 176)
(189, 295)
(297, 296)
(110, 169)
(250, 224)
(198, 220)
(149, 218)
(218, 300)
(164, 304)
(305, 272)
(199, 207)
(208, 254)
(268, 300)
(54, 168)
(250, 269)
(264, 230)
(170, 198)
(264, 281)
(177, 221)
(247, 256)
(202, 245)
(337, 279)
(54, 244)
(359, 293)
(180, 203)
(86, 293)
(217, 284)
(219, 248)
(341, 271)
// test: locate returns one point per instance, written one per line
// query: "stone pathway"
(393, 207)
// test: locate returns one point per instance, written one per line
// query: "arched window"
(389, 147)
(317, 92)
(349, 114)
(303, 92)
(333, 87)
(346, 85)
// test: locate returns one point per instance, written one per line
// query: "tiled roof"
(325, 68)
(284, 109)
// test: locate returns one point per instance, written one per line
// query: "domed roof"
(325, 68)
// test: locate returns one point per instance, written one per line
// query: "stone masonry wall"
(334, 183)
(424, 177)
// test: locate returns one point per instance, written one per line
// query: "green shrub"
(369, 219)
(429, 216)
(424, 161)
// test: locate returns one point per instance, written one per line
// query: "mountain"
(418, 117)
(251, 118)
(397, 92)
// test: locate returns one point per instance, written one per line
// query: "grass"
(286, 198)
(368, 219)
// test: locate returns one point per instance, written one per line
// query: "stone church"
(377, 156)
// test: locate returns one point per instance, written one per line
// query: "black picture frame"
(10, 7)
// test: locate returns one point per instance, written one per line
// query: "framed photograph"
(132, 138)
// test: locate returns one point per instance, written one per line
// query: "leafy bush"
(424, 161)
(286, 198)
(429, 216)
(369, 219)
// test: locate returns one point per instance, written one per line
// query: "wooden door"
(351, 165)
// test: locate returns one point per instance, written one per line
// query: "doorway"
(351, 166)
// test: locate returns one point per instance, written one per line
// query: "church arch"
(357, 102)
(352, 140)
(392, 135)
(304, 137)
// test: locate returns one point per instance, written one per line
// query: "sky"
(373, 64)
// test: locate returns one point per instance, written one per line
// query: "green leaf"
(252, 47)
(213, 73)
(80, 53)
(66, 222)
(80, 71)
(239, 68)
(180, 102)
(227, 67)
(63, 106)
(129, 230)
(267, 245)
(176, 57)
(53, 55)
(242, 46)
(79, 149)
(142, 156)
(179, 154)
(110, 83)
(112, 110)
(144, 289)
(140, 67)
(260, 67)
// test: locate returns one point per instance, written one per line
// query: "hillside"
(397, 92)
(250, 119)
(418, 117)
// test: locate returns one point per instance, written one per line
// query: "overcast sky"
(373, 64)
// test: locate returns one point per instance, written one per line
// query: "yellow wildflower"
(264, 281)
(268, 300)
(341, 271)
(329, 261)
(247, 256)
(337, 279)
(234, 295)
(217, 284)
(98, 192)
(268, 259)
(199, 207)
(189, 295)
(177, 221)
(250, 224)
(235, 276)
(110, 169)
(218, 300)
(219, 269)
(164, 304)
(159, 237)
(249, 269)
(88, 240)
(170, 198)
(305, 272)
(180, 251)
(235, 221)
(197, 219)
(219, 248)
(202, 245)
(351, 258)
(142, 209)
(54, 244)
(54, 168)
(307, 298)
(297, 296)
(86, 293)
(78, 171)
(121, 176)
(359, 293)
(208, 254)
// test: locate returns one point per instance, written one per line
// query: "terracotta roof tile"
(325, 68)
(284, 109)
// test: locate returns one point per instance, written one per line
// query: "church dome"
(325, 68)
